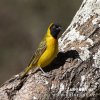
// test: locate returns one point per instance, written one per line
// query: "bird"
(46, 51)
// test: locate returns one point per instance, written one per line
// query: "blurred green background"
(22, 25)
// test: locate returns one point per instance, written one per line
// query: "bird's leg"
(35, 69)
(44, 73)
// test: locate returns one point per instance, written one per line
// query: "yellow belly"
(49, 54)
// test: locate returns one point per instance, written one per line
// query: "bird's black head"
(55, 30)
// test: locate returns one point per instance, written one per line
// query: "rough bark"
(75, 80)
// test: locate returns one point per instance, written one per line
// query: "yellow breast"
(50, 52)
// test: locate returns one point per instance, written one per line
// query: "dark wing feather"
(42, 47)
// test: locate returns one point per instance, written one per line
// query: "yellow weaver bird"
(47, 50)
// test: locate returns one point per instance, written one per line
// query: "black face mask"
(55, 30)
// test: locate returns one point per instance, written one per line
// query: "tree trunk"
(75, 73)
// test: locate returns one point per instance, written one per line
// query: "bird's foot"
(44, 73)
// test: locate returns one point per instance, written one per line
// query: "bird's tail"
(27, 69)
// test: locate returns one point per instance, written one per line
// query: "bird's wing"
(42, 47)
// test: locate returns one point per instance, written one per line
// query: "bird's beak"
(59, 28)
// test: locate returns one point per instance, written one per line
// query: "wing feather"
(42, 47)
